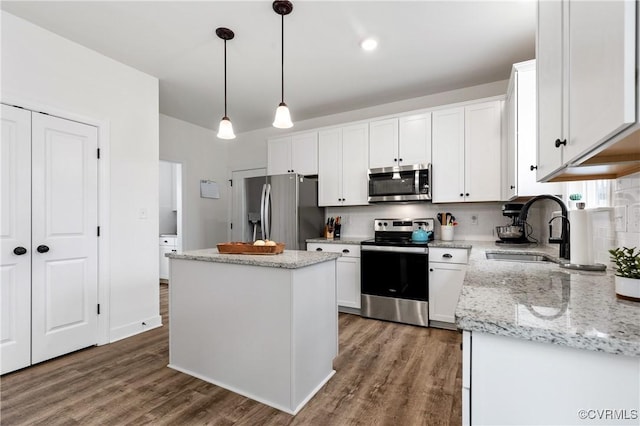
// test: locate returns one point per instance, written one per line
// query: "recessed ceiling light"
(369, 44)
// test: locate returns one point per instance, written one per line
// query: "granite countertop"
(540, 301)
(342, 240)
(289, 259)
(460, 244)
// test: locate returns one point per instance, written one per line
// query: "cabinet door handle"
(512, 187)
(532, 167)
(560, 142)
(395, 159)
(466, 195)
(42, 249)
(400, 159)
(430, 269)
(319, 249)
(19, 251)
(447, 256)
(461, 194)
(346, 251)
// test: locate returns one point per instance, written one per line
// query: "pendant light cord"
(225, 78)
(282, 67)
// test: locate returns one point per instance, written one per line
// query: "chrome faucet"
(564, 236)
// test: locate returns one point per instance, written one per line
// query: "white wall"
(203, 156)
(44, 69)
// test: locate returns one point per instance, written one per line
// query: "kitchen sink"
(518, 257)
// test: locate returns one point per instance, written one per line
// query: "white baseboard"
(134, 328)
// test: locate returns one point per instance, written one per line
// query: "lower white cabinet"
(347, 272)
(511, 381)
(167, 245)
(447, 268)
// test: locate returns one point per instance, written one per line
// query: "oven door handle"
(393, 249)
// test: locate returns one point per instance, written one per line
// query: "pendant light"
(225, 131)
(283, 117)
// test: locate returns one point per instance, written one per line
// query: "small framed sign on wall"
(209, 189)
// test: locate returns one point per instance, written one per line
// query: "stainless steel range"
(395, 271)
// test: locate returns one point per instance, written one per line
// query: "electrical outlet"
(620, 218)
(633, 224)
(474, 219)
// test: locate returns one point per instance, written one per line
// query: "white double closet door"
(48, 237)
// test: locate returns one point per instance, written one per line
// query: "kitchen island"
(546, 345)
(263, 326)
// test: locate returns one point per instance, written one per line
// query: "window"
(594, 193)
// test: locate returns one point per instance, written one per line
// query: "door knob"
(19, 251)
(42, 249)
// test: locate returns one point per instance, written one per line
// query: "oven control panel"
(403, 225)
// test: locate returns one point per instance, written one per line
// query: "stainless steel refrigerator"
(283, 208)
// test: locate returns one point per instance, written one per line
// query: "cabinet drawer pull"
(346, 251)
(447, 256)
(560, 142)
(319, 249)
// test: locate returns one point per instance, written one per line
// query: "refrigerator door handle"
(262, 218)
(267, 212)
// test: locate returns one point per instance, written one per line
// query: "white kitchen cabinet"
(347, 273)
(168, 244)
(293, 154)
(400, 141)
(447, 269)
(415, 139)
(343, 165)
(520, 113)
(466, 143)
(508, 379)
(383, 143)
(586, 79)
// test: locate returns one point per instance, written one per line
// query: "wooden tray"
(249, 248)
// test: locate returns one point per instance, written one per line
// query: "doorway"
(170, 231)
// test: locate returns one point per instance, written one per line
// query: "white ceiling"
(425, 47)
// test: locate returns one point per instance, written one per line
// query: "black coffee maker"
(515, 233)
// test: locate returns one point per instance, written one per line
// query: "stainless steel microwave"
(400, 183)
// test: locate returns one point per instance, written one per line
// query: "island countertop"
(540, 301)
(289, 259)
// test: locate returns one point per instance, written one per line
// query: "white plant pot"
(628, 288)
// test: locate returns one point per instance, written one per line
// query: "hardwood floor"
(386, 374)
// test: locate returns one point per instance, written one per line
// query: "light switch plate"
(633, 224)
(620, 218)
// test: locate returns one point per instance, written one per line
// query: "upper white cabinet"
(343, 165)
(520, 113)
(400, 141)
(466, 143)
(586, 54)
(293, 154)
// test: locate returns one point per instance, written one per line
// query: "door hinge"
(98, 153)
(98, 231)
(98, 309)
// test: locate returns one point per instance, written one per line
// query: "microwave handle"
(429, 177)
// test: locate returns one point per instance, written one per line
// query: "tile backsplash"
(625, 219)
